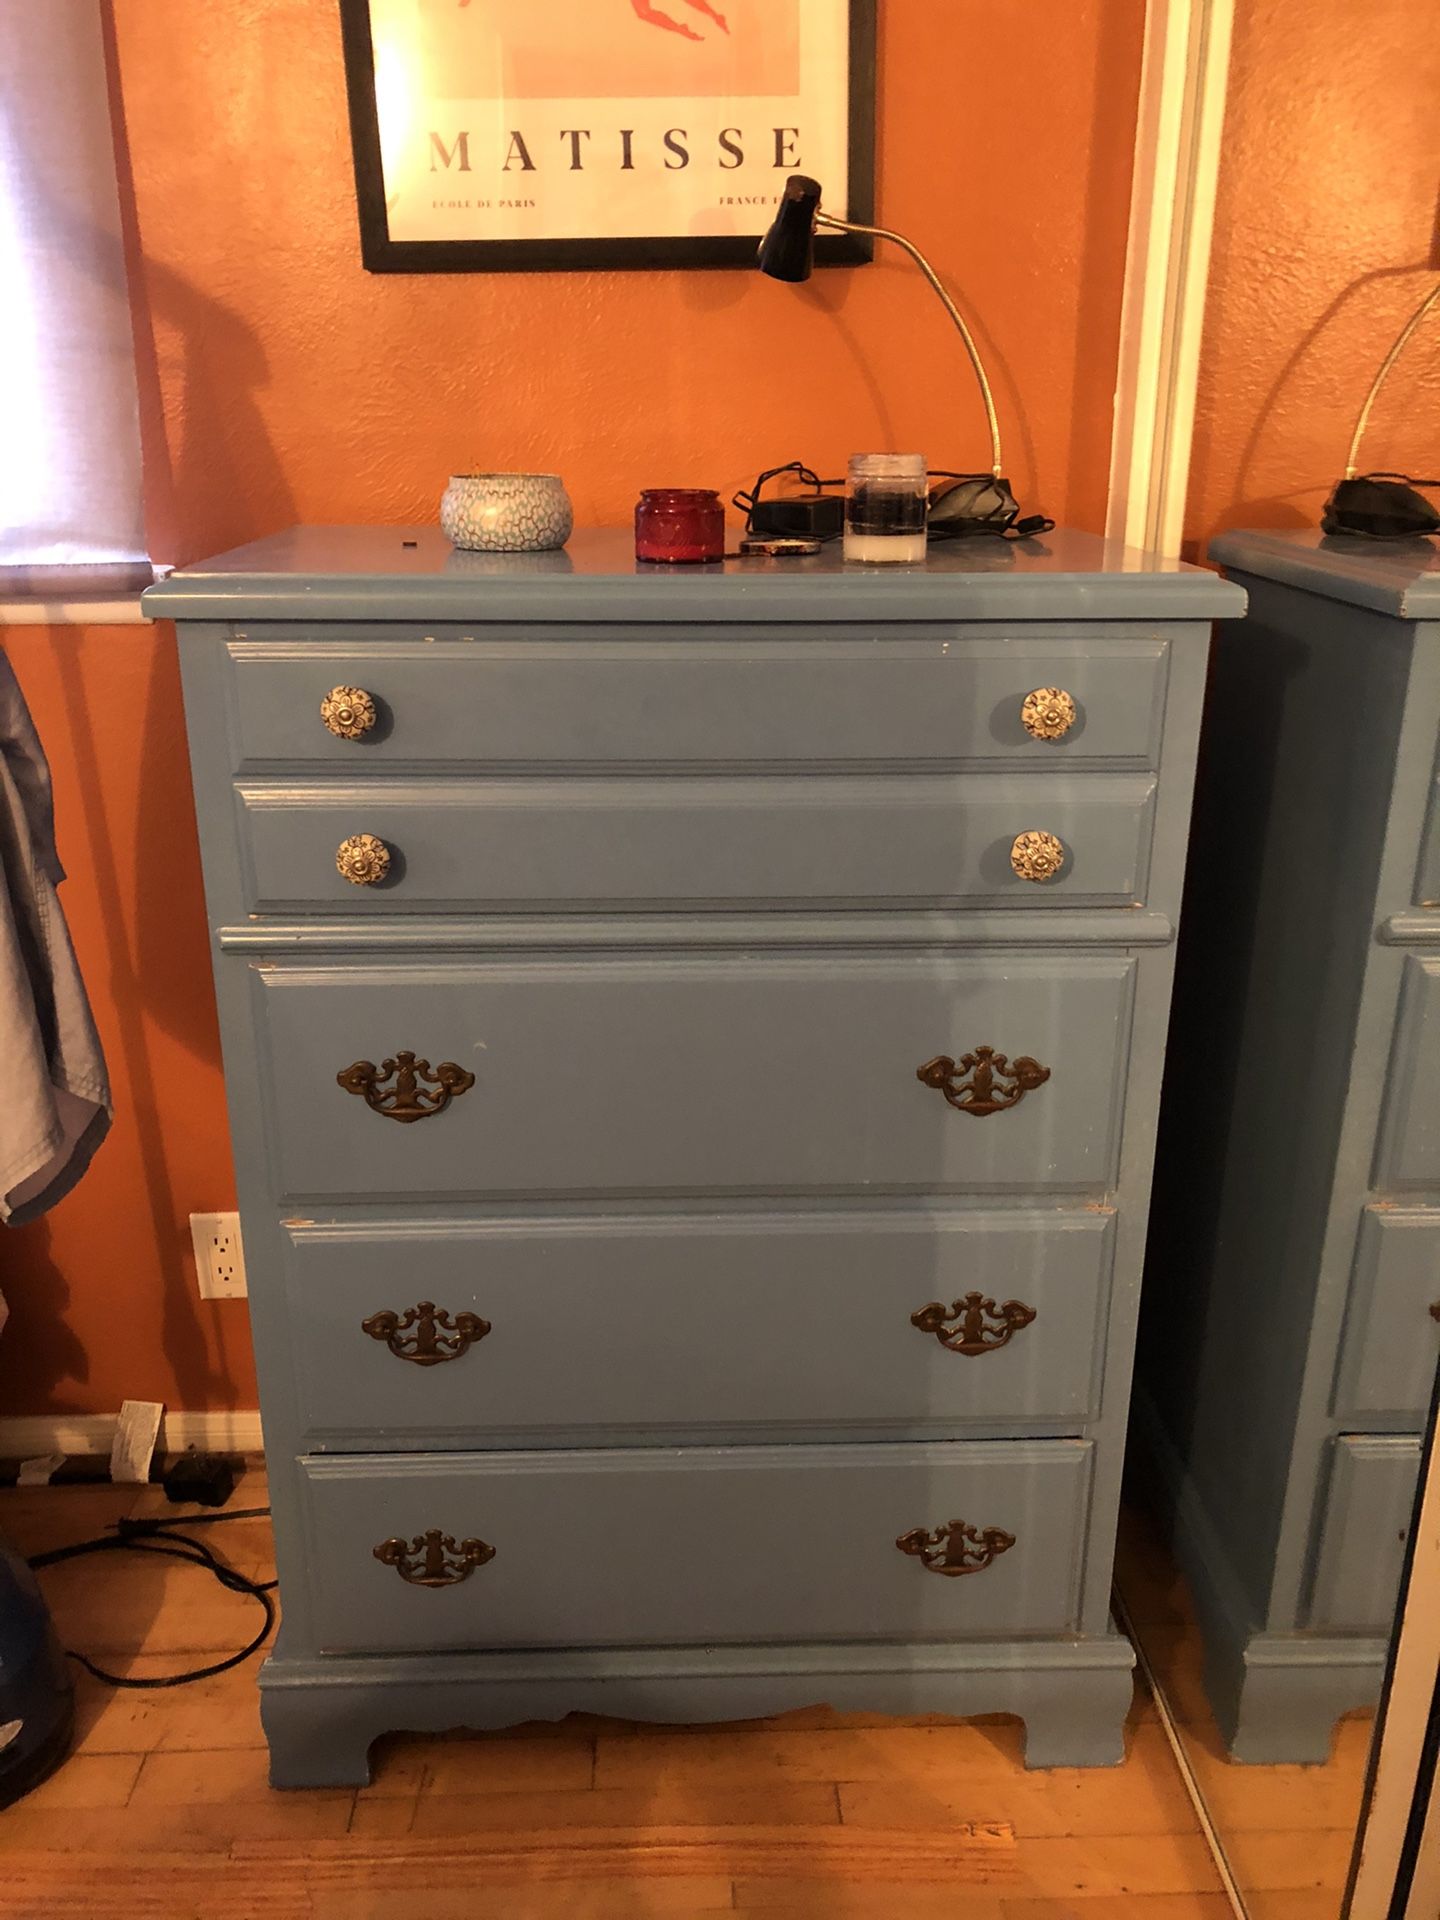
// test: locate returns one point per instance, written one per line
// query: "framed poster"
(532, 134)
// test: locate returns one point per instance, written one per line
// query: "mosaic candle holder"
(506, 512)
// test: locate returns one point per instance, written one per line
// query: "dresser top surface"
(1393, 576)
(407, 573)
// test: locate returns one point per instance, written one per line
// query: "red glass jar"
(679, 525)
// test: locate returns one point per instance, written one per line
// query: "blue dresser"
(1289, 1340)
(693, 1042)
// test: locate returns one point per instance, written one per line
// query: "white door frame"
(1400, 1739)
(1179, 122)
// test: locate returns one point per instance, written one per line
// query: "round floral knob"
(1037, 856)
(349, 712)
(1048, 713)
(363, 860)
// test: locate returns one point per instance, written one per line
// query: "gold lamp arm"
(1385, 365)
(884, 233)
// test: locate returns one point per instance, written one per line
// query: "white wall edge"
(1183, 82)
(72, 613)
(1398, 1760)
(30, 1437)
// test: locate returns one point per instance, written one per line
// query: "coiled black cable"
(158, 1536)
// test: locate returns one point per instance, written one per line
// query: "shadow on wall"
(226, 473)
(1281, 510)
(37, 1294)
(103, 1292)
(1107, 186)
(226, 470)
(116, 1255)
(152, 974)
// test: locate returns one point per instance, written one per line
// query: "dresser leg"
(1277, 1701)
(1078, 1720)
(320, 1715)
(318, 1738)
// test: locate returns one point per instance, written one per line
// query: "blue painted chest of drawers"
(693, 1042)
(1290, 1342)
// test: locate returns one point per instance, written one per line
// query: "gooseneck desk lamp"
(972, 503)
(1382, 506)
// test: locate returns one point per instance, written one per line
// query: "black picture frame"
(380, 254)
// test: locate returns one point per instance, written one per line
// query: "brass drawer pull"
(407, 1100)
(1048, 713)
(349, 712)
(363, 860)
(436, 1336)
(1036, 856)
(433, 1560)
(984, 1081)
(981, 1326)
(955, 1550)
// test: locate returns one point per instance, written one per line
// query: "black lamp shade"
(788, 250)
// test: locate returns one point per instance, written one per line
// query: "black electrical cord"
(156, 1536)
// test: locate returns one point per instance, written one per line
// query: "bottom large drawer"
(696, 1545)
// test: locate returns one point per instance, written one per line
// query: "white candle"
(885, 549)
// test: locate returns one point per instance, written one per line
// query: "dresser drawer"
(929, 839)
(906, 694)
(740, 1075)
(708, 1545)
(1363, 1530)
(1427, 875)
(686, 1323)
(1391, 1343)
(1409, 1150)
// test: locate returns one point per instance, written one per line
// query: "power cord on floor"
(157, 1536)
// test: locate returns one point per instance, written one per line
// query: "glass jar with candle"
(885, 500)
(679, 525)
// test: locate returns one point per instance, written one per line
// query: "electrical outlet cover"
(219, 1255)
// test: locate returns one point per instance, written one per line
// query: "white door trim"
(31, 1437)
(1179, 124)
(1400, 1737)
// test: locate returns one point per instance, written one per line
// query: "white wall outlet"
(219, 1256)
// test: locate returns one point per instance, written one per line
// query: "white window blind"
(70, 476)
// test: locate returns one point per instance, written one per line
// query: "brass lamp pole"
(788, 253)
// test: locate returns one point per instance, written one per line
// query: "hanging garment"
(54, 1094)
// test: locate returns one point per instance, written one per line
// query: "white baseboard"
(28, 1437)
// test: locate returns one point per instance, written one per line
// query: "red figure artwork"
(653, 16)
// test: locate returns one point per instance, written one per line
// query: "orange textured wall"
(282, 383)
(1325, 238)
(101, 1290)
(295, 386)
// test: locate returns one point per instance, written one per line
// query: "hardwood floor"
(1287, 1831)
(164, 1809)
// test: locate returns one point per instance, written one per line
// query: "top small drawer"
(905, 696)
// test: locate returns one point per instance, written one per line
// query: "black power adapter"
(206, 1479)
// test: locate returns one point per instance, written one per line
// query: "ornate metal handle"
(349, 712)
(433, 1559)
(984, 1081)
(956, 1549)
(1036, 856)
(981, 1326)
(1048, 713)
(436, 1337)
(407, 1100)
(363, 860)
